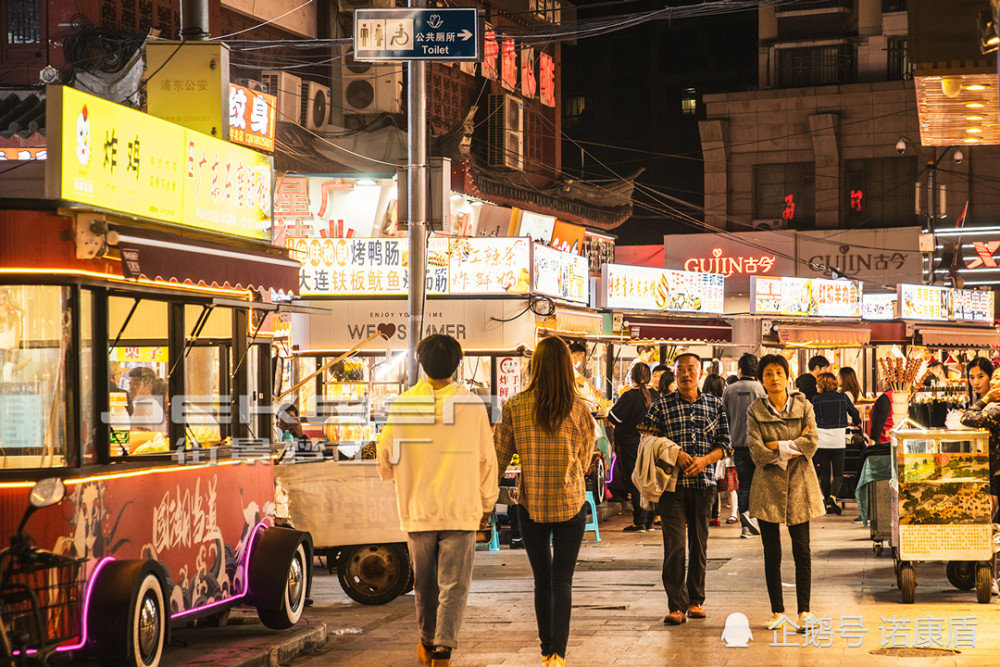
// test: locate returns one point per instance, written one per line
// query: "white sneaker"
(750, 522)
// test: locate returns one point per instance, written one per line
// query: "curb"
(286, 650)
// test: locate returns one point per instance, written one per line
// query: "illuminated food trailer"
(130, 300)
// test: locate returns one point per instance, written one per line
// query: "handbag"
(729, 481)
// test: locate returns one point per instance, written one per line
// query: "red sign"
(529, 84)
(567, 237)
(251, 118)
(789, 212)
(490, 53)
(508, 64)
(984, 255)
(547, 79)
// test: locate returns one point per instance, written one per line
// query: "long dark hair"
(849, 382)
(985, 365)
(713, 384)
(640, 378)
(552, 382)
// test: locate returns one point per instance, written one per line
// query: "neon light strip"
(140, 473)
(86, 606)
(120, 279)
(246, 587)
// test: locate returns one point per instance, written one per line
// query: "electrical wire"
(261, 25)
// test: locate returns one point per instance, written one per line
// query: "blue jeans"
(553, 570)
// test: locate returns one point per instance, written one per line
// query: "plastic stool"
(592, 524)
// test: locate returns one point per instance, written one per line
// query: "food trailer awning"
(960, 337)
(154, 257)
(821, 335)
(679, 329)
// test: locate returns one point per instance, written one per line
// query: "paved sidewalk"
(619, 606)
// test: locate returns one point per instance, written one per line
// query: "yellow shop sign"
(112, 157)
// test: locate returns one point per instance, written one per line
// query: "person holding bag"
(626, 415)
(781, 435)
(552, 431)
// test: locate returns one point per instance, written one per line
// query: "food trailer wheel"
(877, 548)
(907, 583)
(293, 598)
(127, 614)
(962, 574)
(597, 481)
(984, 583)
(373, 573)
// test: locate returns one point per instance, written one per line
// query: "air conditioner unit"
(315, 109)
(288, 89)
(371, 88)
(506, 132)
(768, 225)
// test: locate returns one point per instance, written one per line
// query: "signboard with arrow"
(441, 33)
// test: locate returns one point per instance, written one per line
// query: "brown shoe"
(674, 618)
(696, 611)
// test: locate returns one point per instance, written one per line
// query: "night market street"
(619, 607)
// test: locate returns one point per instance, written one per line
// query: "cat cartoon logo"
(737, 631)
(83, 137)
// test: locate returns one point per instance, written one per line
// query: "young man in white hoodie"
(437, 446)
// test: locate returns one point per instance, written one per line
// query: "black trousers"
(744, 473)
(830, 470)
(626, 463)
(770, 538)
(553, 572)
(684, 521)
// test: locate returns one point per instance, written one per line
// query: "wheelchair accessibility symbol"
(399, 38)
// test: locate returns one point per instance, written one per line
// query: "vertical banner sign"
(508, 378)
(547, 79)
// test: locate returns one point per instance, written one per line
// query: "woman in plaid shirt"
(552, 432)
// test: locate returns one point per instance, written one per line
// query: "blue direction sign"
(445, 33)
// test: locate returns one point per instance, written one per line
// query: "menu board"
(923, 302)
(643, 288)
(537, 226)
(490, 266)
(357, 267)
(933, 303)
(972, 305)
(878, 306)
(805, 297)
(563, 275)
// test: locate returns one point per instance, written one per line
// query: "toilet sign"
(440, 33)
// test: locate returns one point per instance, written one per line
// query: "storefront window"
(34, 347)
(138, 367)
(205, 369)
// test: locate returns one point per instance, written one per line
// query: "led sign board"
(665, 290)
(805, 297)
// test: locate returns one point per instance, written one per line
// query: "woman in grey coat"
(782, 437)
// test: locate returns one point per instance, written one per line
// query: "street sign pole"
(416, 197)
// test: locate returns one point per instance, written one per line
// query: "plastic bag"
(953, 421)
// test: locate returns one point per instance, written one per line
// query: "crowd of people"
(675, 433)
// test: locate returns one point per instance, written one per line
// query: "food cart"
(168, 514)
(496, 296)
(941, 507)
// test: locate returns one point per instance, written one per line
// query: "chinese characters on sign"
(878, 306)
(359, 266)
(815, 297)
(508, 378)
(928, 302)
(561, 275)
(113, 157)
(644, 288)
(251, 117)
(727, 266)
(322, 207)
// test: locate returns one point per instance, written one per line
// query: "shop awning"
(573, 322)
(821, 335)
(678, 329)
(157, 257)
(960, 337)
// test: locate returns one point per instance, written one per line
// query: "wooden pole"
(327, 365)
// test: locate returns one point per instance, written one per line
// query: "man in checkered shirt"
(697, 422)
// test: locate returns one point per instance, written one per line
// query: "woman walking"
(832, 409)
(628, 413)
(781, 434)
(552, 432)
(847, 379)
